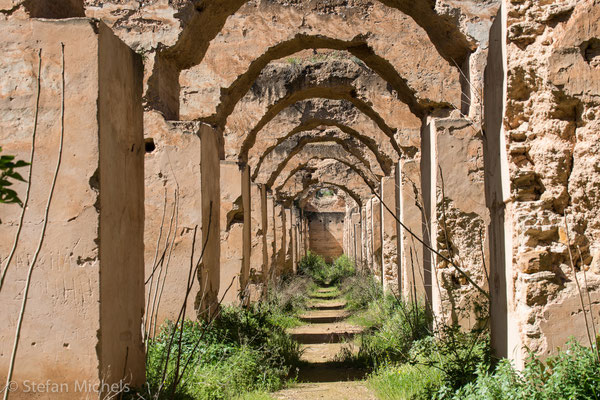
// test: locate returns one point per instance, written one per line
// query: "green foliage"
(324, 193)
(324, 274)
(573, 373)
(242, 351)
(360, 291)
(255, 396)
(395, 327)
(457, 354)
(8, 174)
(405, 382)
(285, 300)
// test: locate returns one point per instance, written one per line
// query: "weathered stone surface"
(462, 218)
(85, 304)
(326, 234)
(551, 131)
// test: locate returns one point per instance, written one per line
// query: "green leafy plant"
(241, 351)
(324, 274)
(457, 354)
(8, 174)
(573, 373)
(394, 326)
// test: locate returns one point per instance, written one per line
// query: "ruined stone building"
(257, 130)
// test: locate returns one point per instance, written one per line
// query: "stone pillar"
(246, 233)
(503, 324)
(280, 239)
(306, 236)
(210, 272)
(412, 217)
(371, 224)
(173, 209)
(356, 231)
(399, 229)
(288, 245)
(86, 299)
(382, 237)
(232, 232)
(429, 218)
(294, 239)
(258, 241)
(270, 234)
(365, 237)
(390, 233)
(462, 221)
(264, 214)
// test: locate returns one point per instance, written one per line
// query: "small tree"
(7, 173)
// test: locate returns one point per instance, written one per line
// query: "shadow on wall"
(326, 233)
(53, 9)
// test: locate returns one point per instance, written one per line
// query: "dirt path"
(322, 376)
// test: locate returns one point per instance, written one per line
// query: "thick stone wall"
(551, 133)
(84, 311)
(326, 234)
(210, 268)
(462, 219)
(173, 210)
(413, 273)
(232, 232)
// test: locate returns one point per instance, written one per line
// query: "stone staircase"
(325, 333)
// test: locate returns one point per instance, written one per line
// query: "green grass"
(327, 295)
(405, 382)
(365, 318)
(255, 396)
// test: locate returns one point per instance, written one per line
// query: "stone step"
(324, 333)
(318, 353)
(328, 289)
(328, 305)
(324, 316)
(330, 372)
(325, 296)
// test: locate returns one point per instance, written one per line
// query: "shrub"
(573, 373)
(324, 274)
(344, 267)
(7, 175)
(395, 327)
(243, 350)
(360, 291)
(311, 264)
(285, 300)
(457, 354)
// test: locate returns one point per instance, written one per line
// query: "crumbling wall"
(551, 126)
(462, 220)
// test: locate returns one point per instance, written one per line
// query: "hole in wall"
(149, 145)
(590, 50)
